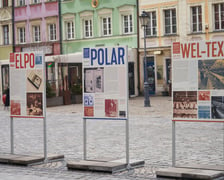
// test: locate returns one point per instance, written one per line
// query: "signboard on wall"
(198, 81)
(27, 84)
(105, 83)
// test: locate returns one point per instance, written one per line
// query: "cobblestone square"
(150, 140)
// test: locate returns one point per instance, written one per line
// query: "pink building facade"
(36, 26)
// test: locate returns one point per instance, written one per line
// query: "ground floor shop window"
(51, 90)
(5, 77)
(70, 81)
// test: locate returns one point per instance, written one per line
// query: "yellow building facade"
(171, 21)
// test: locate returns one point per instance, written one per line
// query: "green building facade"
(96, 23)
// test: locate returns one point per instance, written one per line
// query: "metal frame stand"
(85, 141)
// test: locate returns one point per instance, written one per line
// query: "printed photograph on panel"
(211, 74)
(93, 80)
(204, 112)
(88, 105)
(34, 104)
(111, 107)
(217, 107)
(34, 80)
(15, 107)
(204, 95)
(185, 104)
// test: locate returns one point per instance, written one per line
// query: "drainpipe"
(60, 28)
(13, 27)
(138, 53)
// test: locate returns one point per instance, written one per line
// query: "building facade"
(6, 42)
(170, 21)
(95, 23)
(36, 26)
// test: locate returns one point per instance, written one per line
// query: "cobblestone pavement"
(150, 140)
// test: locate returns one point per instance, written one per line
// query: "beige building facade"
(171, 21)
(6, 42)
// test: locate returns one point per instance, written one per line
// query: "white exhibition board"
(27, 84)
(198, 81)
(105, 83)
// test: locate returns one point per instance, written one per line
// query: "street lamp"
(144, 18)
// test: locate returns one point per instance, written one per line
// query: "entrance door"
(131, 78)
(168, 74)
(151, 74)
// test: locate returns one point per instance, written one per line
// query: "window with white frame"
(106, 26)
(70, 30)
(52, 32)
(36, 34)
(6, 34)
(21, 2)
(152, 24)
(219, 16)
(36, 1)
(196, 21)
(170, 21)
(127, 24)
(22, 35)
(88, 28)
(5, 3)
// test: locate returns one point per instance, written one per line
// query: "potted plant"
(165, 91)
(52, 99)
(76, 93)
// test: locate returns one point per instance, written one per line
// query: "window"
(5, 3)
(88, 32)
(21, 33)
(36, 1)
(196, 19)
(6, 34)
(5, 76)
(127, 24)
(170, 21)
(70, 30)
(36, 34)
(106, 26)
(21, 2)
(219, 16)
(151, 26)
(52, 32)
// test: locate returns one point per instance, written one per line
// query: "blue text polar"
(103, 58)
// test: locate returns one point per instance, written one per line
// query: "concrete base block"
(25, 160)
(109, 166)
(189, 173)
(202, 166)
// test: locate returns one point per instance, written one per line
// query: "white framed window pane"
(52, 32)
(5, 3)
(152, 24)
(219, 16)
(6, 34)
(88, 28)
(70, 30)
(36, 1)
(106, 26)
(36, 33)
(170, 21)
(21, 2)
(22, 35)
(196, 12)
(127, 24)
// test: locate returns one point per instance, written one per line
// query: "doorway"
(131, 78)
(150, 67)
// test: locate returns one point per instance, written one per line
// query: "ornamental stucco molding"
(5, 14)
